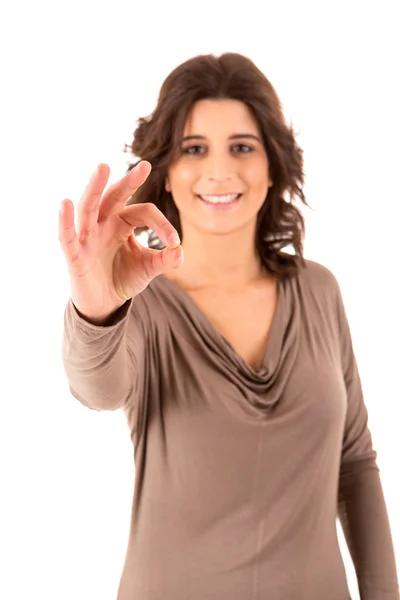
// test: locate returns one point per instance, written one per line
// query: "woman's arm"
(361, 504)
(101, 361)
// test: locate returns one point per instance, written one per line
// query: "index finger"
(150, 216)
(118, 193)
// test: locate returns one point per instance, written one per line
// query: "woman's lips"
(220, 201)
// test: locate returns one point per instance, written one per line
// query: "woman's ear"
(167, 186)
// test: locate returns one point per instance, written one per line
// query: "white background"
(75, 76)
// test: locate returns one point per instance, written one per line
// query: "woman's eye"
(193, 150)
(244, 148)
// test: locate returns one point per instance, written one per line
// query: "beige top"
(240, 474)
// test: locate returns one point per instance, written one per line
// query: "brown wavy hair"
(158, 138)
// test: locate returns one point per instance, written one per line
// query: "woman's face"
(221, 178)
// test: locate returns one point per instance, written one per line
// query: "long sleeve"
(101, 362)
(361, 504)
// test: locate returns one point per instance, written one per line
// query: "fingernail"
(138, 165)
(95, 173)
(178, 254)
(132, 174)
(175, 239)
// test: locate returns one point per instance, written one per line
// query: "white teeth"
(220, 199)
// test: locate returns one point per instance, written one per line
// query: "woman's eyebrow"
(234, 136)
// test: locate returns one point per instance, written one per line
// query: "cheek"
(257, 176)
(182, 177)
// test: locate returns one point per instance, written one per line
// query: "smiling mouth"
(219, 198)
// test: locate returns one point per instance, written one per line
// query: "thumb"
(159, 261)
(171, 258)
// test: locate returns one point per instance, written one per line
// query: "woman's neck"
(228, 261)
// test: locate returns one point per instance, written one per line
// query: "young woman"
(234, 365)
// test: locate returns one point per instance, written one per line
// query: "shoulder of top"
(319, 274)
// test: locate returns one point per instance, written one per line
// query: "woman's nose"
(219, 168)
